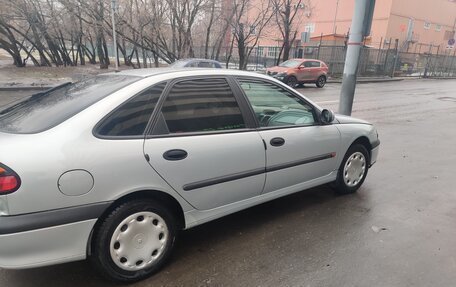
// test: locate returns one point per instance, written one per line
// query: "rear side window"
(131, 118)
(201, 105)
(45, 110)
(204, 64)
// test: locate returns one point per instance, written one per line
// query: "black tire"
(292, 81)
(101, 241)
(321, 82)
(342, 187)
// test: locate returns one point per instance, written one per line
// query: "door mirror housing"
(327, 116)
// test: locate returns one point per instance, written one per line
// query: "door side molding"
(253, 172)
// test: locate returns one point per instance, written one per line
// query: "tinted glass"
(307, 64)
(48, 109)
(131, 118)
(200, 106)
(315, 64)
(205, 65)
(275, 106)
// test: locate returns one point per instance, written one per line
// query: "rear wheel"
(133, 241)
(292, 81)
(353, 169)
(321, 82)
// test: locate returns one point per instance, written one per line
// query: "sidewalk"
(42, 78)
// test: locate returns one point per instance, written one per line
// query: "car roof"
(197, 59)
(149, 72)
(306, 59)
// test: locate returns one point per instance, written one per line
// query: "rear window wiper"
(35, 96)
(39, 94)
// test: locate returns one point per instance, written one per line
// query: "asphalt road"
(398, 230)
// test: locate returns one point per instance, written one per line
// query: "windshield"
(291, 63)
(47, 109)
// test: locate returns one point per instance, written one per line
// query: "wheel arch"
(364, 141)
(162, 197)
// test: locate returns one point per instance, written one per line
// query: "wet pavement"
(398, 230)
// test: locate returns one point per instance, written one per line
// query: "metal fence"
(373, 61)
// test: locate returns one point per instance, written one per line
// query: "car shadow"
(305, 208)
(308, 87)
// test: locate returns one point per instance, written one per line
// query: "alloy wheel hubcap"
(322, 81)
(354, 169)
(138, 241)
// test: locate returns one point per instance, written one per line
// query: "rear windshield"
(45, 110)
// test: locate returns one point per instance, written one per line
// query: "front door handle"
(277, 142)
(175, 154)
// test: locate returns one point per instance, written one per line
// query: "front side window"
(274, 106)
(307, 64)
(131, 118)
(201, 105)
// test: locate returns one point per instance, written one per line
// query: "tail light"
(9, 180)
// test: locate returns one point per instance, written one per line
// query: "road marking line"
(327, 102)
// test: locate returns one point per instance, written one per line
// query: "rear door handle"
(277, 142)
(175, 154)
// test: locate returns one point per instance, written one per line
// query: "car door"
(299, 148)
(315, 70)
(301, 73)
(306, 71)
(205, 145)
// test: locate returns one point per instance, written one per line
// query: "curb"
(367, 81)
(25, 88)
(332, 81)
(440, 78)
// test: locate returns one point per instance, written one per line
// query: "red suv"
(300, 71)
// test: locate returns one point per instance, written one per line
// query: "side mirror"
(327, 116)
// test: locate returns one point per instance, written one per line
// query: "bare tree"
(250, 20)
(72, 32)
(288, 16)
(184, 14)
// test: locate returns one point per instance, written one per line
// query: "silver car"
(111, 168)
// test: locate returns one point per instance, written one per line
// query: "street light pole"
(335, 18)
(360, 27)
(113, 11)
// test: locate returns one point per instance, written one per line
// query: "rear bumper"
(46, 246)
(49, 237)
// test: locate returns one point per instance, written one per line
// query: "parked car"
(112, 167)
(196, 63)
(296, 72)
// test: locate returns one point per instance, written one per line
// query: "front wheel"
(292, 81)
(321, 82)
(353, 169)
(133, 241)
